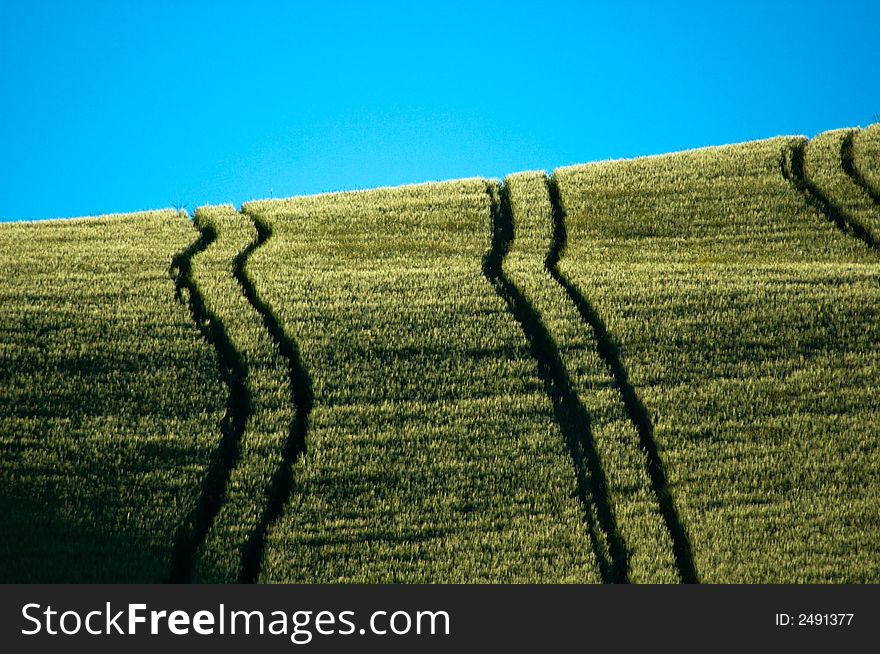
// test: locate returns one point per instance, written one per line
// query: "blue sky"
(120, 106)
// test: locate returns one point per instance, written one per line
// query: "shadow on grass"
(571, 415)
(792, 167)
(192, 532)
(636, 411)
(281, 483)
(848, 164)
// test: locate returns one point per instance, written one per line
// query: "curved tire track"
(281, 484)
(571, 416)
(635, 409)
(192, 532)
(848, 163)
(792, 166)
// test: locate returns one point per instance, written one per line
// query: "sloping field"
(109, 399)
(260, 412)
(865, 157)
(833, 180)
(431, 450)
(748, 324)
(662, 370)
(628, 511)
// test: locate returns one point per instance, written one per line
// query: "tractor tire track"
(195, 527)
(572, 417)
(635, 409)
(281, 484)
(848, 163)
(792, 166)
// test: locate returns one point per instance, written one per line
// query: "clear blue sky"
(120, 106)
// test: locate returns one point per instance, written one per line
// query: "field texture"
(431, 450)
(109, 400)
(865, 155)
(748, 324)
(658, 370)
(260, 413)
(628, 520)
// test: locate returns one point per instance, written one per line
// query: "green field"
(109, 401)
(655, 370)
(431, 450)
(748, 325)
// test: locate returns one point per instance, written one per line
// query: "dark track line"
(281, 484)
(792, 167)
(848, 163)
(635, 409)
(572, 417)
(192, 532)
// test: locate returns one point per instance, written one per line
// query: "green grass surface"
(265, 407)
(655, 370)
(748, 324)
(623, 463)
(109, 399)
(822, 166)
(432, 455)
(866, 154)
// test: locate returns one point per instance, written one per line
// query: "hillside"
(655, 370)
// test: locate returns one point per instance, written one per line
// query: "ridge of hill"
(662, 369)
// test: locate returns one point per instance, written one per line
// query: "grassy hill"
(663, 369)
